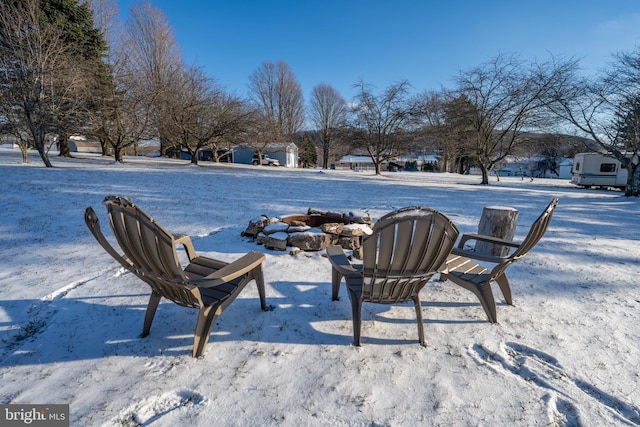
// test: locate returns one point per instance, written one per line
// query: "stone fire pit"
(311, 232)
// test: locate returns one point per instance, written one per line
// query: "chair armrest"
(488, 239)
(185, 241)
(478, 256)
(231, 271)
(340, 262)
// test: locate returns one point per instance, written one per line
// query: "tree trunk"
(104, 146)
(633, 179)
(164, 143)
(25, 154)
(44, 156)
(39, 143)
(485, 175)
(117, 153)
(633, 183)
(496, 221)
(63, 145)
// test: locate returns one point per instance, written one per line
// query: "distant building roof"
(421, 158)
(269, 147)
(355, 159)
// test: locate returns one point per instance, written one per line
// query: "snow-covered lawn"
(567, 352)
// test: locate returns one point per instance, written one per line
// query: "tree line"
(72, 67)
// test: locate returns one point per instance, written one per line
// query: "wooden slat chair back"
(461, 268)
(150, 252)
(405, 250)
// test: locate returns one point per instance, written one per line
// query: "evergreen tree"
(86, 49)
(307, 154)
(50, 55)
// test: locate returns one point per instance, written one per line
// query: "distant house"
(419, 162)
(355, 162)
(286, 153)
(535, 167)
(360, 162)
(520, 167)
(80, 144)
(206, 154)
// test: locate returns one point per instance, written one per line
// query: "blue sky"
(426, 42)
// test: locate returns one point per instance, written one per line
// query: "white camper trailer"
(598, 170)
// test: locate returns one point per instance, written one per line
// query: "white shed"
(564, 169)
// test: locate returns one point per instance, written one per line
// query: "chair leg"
(488, 302)
(416, 303)
(259, 278)
(483, 292)
(336, 277)
(356, 310)
(154, 300)
(503, 282)
(206, 318)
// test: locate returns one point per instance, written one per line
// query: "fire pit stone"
(312, 232)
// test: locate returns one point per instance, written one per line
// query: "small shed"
(564, 169)
(285, 153)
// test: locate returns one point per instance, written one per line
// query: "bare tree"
(606, 108)
(37, 80)
(509, 99)
(153, 53)
(121, 107)
(12, 125)
(202, 114)
(278, 102)
(329, 115)
(458, 133)
(446, 120)
(123, 114)
(106, 18)
(380, 120)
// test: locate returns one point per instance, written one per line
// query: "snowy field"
(566, 354)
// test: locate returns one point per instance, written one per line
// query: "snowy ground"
(567, 353)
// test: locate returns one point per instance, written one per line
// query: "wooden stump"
(496, 221)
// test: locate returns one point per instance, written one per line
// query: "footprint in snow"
(153, 408)
(567, 394)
